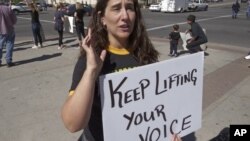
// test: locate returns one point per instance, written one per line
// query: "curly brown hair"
(139, 42)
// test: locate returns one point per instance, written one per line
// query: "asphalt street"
(33, 91)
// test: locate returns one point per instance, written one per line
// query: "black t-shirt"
(34, 17)
(116, 60)
(174, 36)
(79, 16)
(197, 32)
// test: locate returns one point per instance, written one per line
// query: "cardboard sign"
(69, 24)
(152, 102)
(186, 36)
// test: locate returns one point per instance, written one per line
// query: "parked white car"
(22, 8)
(155, 7)
(197, 5)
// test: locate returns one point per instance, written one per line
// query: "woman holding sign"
(116, 41)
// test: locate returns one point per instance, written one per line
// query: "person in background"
(35, 24)
(59, 24)
(7, 32)
(79, 23)
(235, 9)
(174, 37)
(198, 36)
(45, 6)
(248, 10)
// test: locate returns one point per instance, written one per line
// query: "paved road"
(217, 20)
(33, 91)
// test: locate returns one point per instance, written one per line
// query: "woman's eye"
(116, 8)
(130, 7)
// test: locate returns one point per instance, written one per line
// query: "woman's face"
(119, 18)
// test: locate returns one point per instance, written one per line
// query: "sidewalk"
(33, 91)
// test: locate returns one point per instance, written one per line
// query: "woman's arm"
(77, 108)
(27, 3)
(34, 5)
(75, 15)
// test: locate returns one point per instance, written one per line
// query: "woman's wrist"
(91, 72)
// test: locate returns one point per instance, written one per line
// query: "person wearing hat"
(198, 36)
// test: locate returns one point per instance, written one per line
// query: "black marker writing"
(119, 97)
(145, 116)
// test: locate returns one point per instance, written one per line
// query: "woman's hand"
(175, 137)
(94, 62)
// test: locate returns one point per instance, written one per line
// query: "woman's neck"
(118, 43)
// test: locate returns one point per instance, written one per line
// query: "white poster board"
(150, 103)
(187, 36)
(69, 24)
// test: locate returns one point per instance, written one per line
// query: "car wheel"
(196, 8)
(181, 10)
(206, 8)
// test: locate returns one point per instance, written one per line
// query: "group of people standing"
(235, 9)
(59, 18)
(8, 20)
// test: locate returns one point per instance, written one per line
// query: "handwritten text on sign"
(152, 102)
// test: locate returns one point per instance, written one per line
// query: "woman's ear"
(102, 18)
(103, 22)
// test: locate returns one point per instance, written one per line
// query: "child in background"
(174, 37)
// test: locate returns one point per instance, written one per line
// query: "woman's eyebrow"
(117, 4)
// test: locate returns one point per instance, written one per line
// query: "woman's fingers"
(89, 32)
(86, 43)
(94, 60)
(103, 55)
(176, 137)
